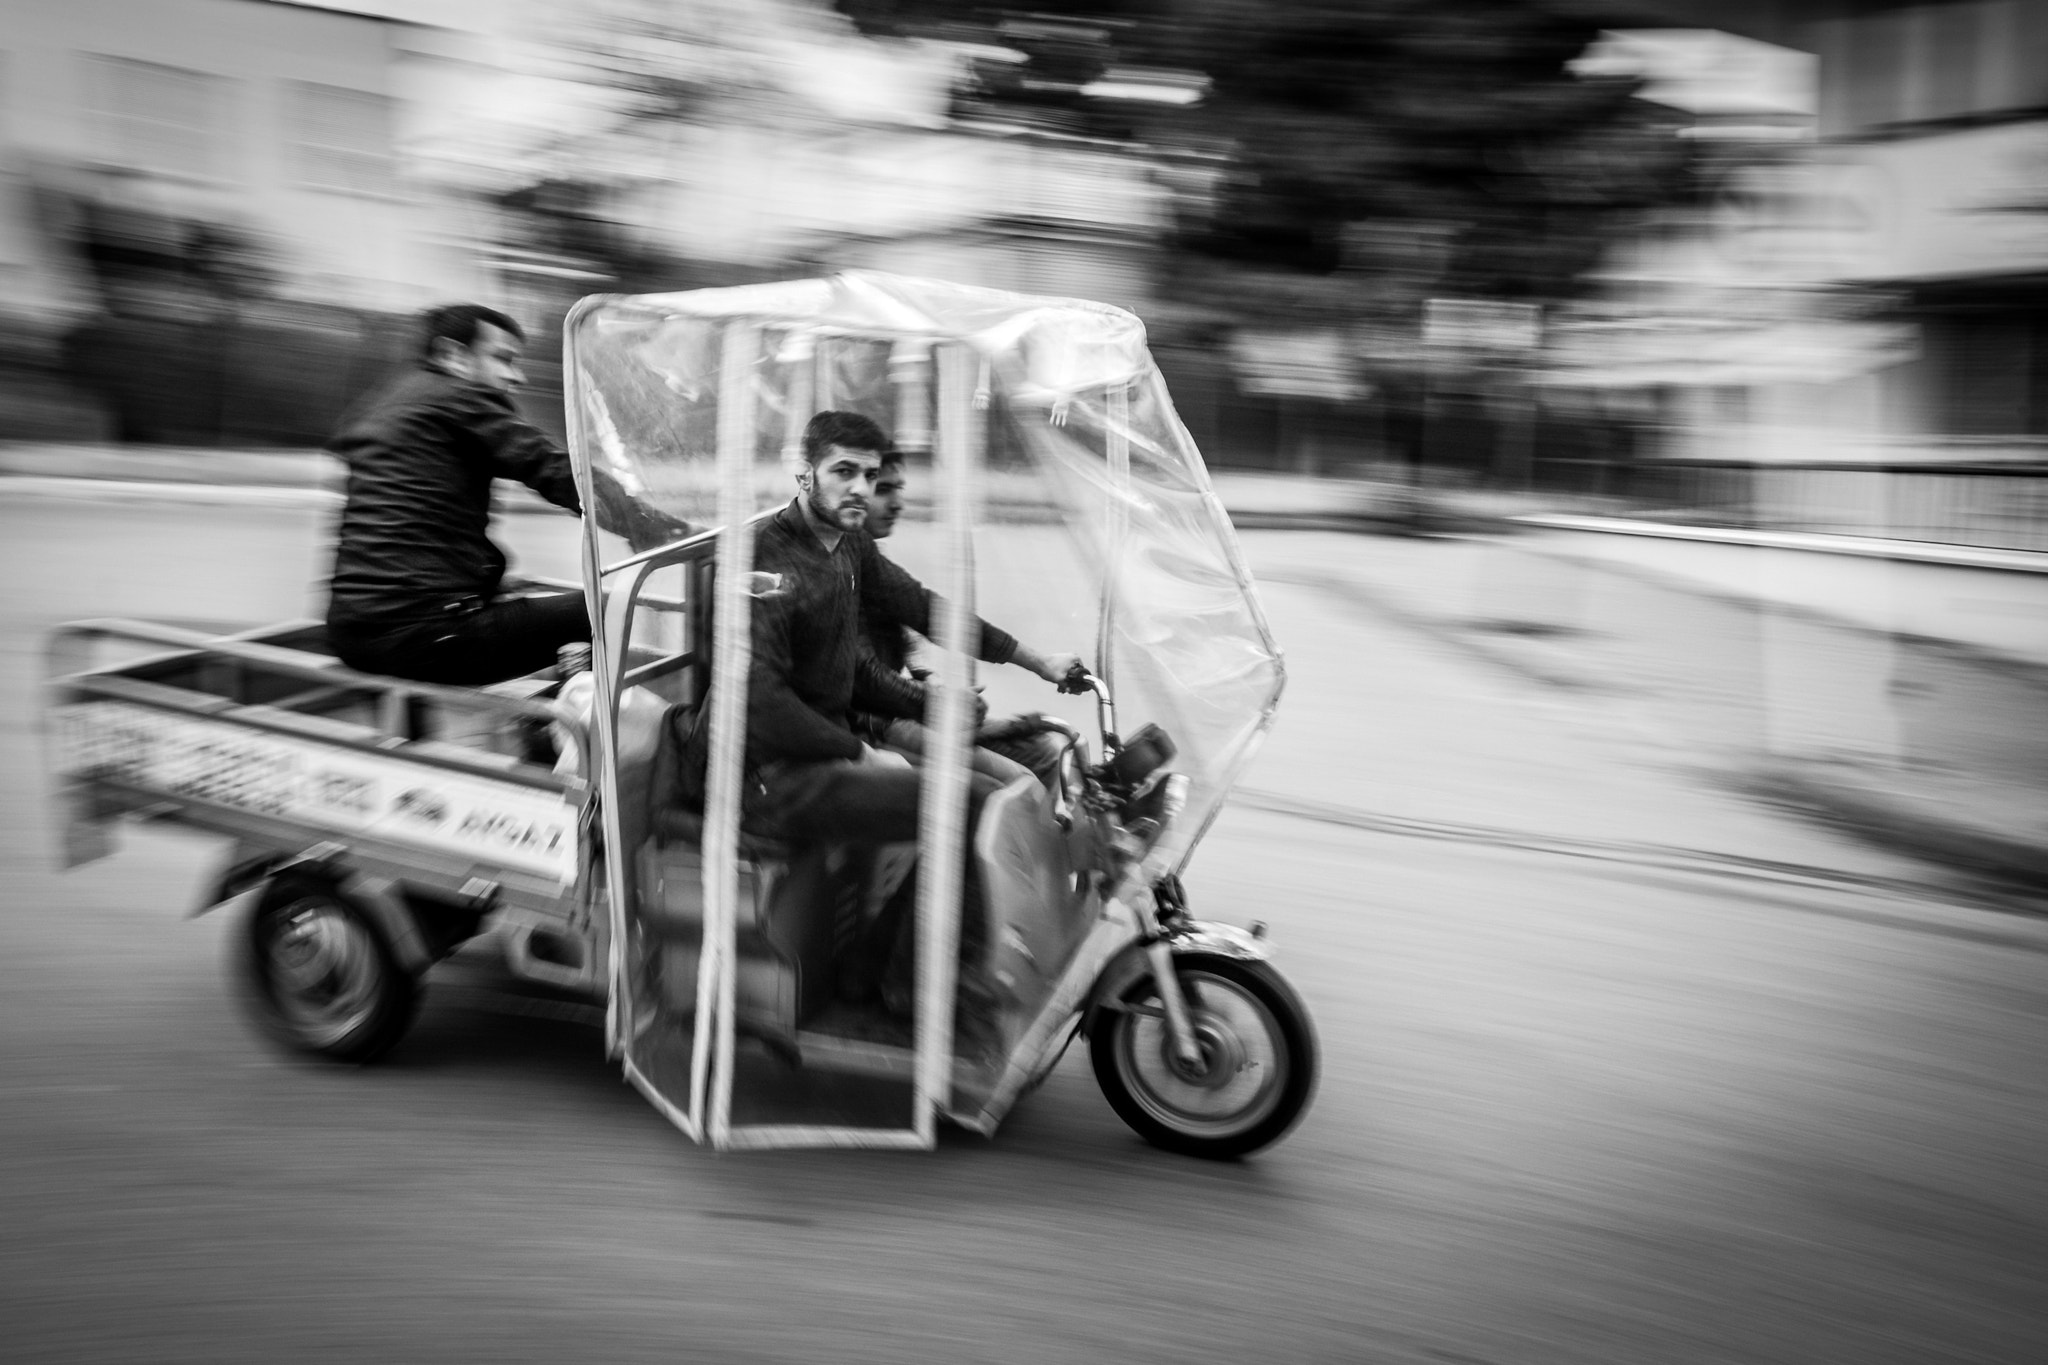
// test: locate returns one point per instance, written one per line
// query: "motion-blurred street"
(1617, 1068)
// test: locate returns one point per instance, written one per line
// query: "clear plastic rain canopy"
(1095, 529)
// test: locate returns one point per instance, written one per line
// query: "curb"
(1900, 823)
(39, 487)
(512, 500)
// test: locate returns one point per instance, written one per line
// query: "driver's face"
(888, 504)
(840, 486)
(491, 360)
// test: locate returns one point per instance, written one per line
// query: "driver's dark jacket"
(806, 676)
(421, 459)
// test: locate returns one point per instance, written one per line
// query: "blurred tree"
(631, 81)
(1365, 154)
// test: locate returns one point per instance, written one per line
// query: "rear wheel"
(319, 976)
(1257, 1070)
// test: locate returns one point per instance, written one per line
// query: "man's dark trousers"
(470, 644)
(850, 802)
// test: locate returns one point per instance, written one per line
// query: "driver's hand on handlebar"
(1059, 668)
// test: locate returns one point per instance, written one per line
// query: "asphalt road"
(1617, 1069)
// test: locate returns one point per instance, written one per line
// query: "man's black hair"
(458, 322)
(848, 429)
(893, 458)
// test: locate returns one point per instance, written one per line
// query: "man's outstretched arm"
(1051, 667)
(879, 689)
(516, 448)
(891, 593)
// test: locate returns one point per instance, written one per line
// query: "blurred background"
(1636, 415)
(1608, 249)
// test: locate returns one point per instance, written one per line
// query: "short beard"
(823, 515)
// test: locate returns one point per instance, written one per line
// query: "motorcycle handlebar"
(1079, 680)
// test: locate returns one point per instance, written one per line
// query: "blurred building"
(209, 223)
(1875, 290)
(131, 125)
(1933, 178)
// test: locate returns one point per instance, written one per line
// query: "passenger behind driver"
(1005, 758)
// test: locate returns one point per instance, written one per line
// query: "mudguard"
(379, 897)
(1196, 938)
(240, 873)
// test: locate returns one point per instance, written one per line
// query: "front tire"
(1258, 1069)
(319, 977)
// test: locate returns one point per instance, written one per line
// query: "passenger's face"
(491, 360)
(888, 503)
(841, 486)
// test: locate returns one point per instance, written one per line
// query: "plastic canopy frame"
(1069, 492)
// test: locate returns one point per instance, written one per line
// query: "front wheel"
(318, 976)
(1257, 1071)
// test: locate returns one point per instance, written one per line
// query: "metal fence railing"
(1997, 505)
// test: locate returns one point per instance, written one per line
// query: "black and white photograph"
(865, 682)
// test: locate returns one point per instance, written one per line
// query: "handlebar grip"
(1077, 681)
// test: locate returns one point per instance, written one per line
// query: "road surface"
(1617, 1069)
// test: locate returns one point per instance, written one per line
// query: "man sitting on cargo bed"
(418, 588)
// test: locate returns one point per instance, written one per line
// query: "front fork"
(1180, 1030)
(1162, 908)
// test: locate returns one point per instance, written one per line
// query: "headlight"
(1142, 755)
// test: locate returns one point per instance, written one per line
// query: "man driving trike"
(808, 777)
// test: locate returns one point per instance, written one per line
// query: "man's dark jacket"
(804, 680)
(412, 541)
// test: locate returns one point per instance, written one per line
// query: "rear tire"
(1259, 1059)
(318, 976)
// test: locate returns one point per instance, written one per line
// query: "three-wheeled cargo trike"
(379, 824)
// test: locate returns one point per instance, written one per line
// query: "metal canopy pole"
(602, 752)
(942, 835)
(798, 362)
(1117, 450)
(732, 655)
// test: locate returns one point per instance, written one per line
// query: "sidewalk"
(1935, 751)
(286, 478)
(1907, 743)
